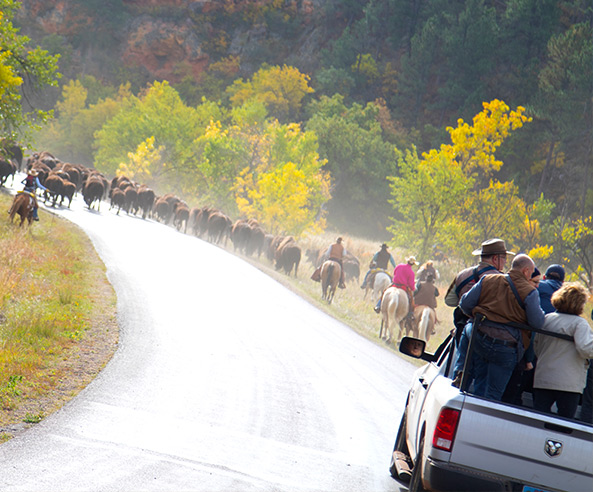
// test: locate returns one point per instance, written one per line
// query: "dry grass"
(57, 317)
(349, 305)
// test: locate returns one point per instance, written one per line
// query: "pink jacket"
(404, 275)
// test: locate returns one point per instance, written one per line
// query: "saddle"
(373, 274)
(23, 192)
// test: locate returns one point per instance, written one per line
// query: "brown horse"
(330, 276)
(23, 204)
(394, 308)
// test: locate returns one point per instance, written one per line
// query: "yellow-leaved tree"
(281, 89)
(144, 162)
(286, 186)
(448, 200)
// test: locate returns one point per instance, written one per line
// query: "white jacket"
(562, 365)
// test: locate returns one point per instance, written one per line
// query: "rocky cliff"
(170, 39)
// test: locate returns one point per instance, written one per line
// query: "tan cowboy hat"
(411, 260)
(32, 172)
(492, 247)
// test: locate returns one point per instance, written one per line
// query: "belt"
(506, 343)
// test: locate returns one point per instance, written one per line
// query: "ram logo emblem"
(553, 448)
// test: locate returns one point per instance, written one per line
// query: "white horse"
(425, 321)
(394, 308)
(382, 282)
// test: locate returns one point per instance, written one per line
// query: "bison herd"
(63, 180)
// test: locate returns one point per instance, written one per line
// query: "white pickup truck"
(449, 439)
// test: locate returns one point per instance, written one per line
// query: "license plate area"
(529, 488)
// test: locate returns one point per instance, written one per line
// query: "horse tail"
(424, 325)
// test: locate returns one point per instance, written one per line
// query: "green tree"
(486, 217)
(566, 108)
(71, 134)
(427, 198)
(576, 240)
(359, 160)
(217, 157)
(23, 70)
(158, 112)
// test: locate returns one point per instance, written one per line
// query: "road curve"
(224, 380)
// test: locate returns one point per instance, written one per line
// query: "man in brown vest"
(503, 300)
(336, 252)
(493, 257)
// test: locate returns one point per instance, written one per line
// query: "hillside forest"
(428, 124)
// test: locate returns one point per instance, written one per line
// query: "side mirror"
(414, 347)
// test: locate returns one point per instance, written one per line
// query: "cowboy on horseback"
(31, 183)
(336, 252)
(380, 262)
(404, 279)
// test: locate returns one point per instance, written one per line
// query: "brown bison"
(181, 217)
(288, 256)
(7, 169)
(146, 197)
(219, 226)
(93, 191)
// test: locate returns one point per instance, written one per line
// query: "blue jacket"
(546, 288)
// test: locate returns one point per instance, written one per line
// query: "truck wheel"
(400, 445)
(416, 480)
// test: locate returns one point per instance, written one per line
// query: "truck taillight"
(444, 433)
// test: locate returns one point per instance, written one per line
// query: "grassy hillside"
(57, 317)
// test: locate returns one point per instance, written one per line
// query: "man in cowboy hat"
(31, 183)
(493, 256)
(380, 261)
(335, 252)
(405, 279)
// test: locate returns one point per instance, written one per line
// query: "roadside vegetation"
(57, 317)
(57, 311)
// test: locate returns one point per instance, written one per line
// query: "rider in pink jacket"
(403, 275)
(405, 279)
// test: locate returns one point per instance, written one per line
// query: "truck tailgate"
(528, 447)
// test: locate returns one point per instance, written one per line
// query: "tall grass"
(47, 275)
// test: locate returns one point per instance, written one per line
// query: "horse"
(394, 308)
(425, 321)
(330, 276)
(381, 282)
(22, 204)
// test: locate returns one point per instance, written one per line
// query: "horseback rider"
(31, 183)
(404, 278)
(336, 252)
(380, 261)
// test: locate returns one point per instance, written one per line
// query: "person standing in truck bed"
(503, 300)
(561, 372)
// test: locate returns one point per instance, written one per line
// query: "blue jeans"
(462, 349)
(493, 366)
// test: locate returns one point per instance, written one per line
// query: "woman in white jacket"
(561, 372)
